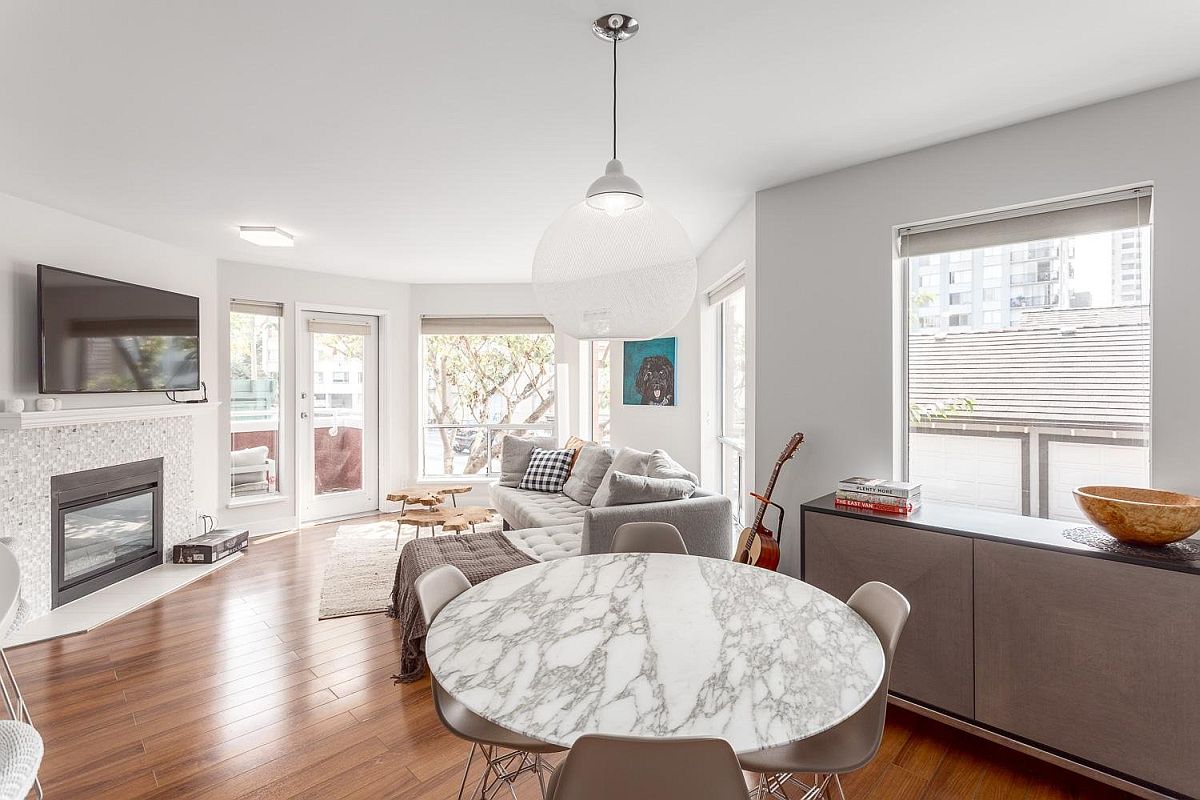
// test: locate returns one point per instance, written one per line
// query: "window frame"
(593, 404)
(725, 442)
(276, 495)
(485, 476)
(904, 285)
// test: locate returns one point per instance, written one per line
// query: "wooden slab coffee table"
(433, 495)
(448, 519)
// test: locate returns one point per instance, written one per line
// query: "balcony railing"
(474, 448)
(1033, 254)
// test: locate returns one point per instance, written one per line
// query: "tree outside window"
(480, 388)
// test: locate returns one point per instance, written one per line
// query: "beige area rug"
(362, 566)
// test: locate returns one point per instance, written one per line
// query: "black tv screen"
(101, 335)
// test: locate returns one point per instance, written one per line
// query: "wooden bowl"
(1140, 516)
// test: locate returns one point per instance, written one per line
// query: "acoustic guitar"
(757, 544)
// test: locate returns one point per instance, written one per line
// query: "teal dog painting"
(649, 372)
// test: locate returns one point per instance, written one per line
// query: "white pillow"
(629, 489)
(627, 460)
(250, 457)
(591, 466)
(663, 466)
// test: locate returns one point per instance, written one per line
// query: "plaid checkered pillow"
(548, 470)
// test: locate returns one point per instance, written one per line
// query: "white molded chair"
(853, 743)
(435, 588)
(609, 767)
(20, 757)
(13, 765)
(648, 537)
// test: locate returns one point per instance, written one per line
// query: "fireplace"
(107, 525)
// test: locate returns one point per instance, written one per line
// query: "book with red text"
(886, 508)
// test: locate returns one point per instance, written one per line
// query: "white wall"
(826, 315)
(31, 234)
(671, 428)
(688, 430)
(300, 289)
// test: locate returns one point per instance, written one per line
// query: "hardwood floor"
(231, 687)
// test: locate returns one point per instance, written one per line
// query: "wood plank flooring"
(231, 688)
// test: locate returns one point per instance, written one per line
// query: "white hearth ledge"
(26, 420)
(121, 598)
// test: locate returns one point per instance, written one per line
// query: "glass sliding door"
(338, 406)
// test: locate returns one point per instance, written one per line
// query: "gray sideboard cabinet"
(1079, 657)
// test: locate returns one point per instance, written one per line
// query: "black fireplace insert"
(107, 526)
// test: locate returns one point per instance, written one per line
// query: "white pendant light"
(613, 266)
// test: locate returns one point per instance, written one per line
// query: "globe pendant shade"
(598, 276)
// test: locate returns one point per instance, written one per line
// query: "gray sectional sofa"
(554, 525)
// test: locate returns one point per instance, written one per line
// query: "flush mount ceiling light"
(267, 236)
(614, 266)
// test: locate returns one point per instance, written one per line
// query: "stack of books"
(876, 494)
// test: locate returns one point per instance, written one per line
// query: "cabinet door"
(934, 662)
(1095, 658)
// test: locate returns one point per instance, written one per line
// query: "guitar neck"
(762, 506)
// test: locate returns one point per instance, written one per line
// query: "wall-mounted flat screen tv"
(101, 335)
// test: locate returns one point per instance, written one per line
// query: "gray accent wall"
(827, 319)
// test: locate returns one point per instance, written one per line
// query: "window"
(731, 388)
(960, 298)
(1051, 390)
(991, 295)
(960, 276)
(600, 351)
(484, 378)
(340, 377)
(254, 398)
(929, 281)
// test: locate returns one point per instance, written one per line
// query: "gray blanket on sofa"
(479, 555)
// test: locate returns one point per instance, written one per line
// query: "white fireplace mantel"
(25, 420)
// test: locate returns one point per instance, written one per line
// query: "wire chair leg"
(470, 757)
(15, 704)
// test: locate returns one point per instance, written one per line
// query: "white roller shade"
(1108, 212)
(256, 307)
(469, 326)
(726, 288)
(341, 328)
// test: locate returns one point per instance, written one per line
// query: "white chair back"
(10, 590)
(436, 587)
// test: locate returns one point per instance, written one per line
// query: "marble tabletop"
(655, 645)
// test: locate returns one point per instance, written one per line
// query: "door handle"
(303, 415)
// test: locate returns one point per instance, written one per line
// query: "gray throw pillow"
(627, 460)
(514, 457)
(663, 466)
(589, 470)
(627, 489)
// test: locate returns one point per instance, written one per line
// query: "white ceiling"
(435, 142)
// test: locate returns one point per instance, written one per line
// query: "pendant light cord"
(615, 40)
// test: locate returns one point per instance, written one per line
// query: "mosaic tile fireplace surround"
(29, 459)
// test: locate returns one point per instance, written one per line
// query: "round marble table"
(655, 645)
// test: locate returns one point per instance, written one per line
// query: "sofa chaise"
(555, 525)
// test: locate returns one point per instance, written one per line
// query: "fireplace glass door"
(103, 534)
